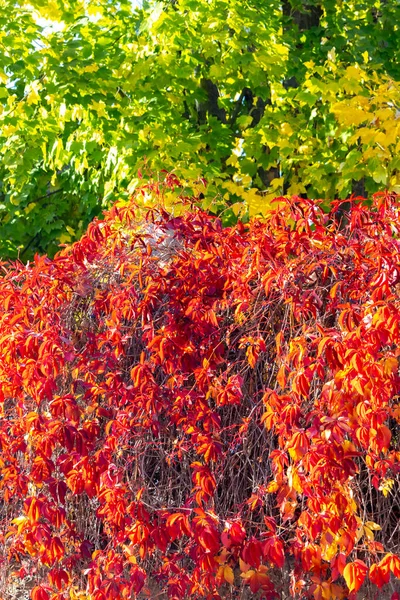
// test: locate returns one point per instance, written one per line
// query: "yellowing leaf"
(373, 526)
(64, 238)
(354, 574)
(349, 114)
(368, 533)
(32, 96)
(294, 481)
(228, 574)
(20, 522)
(386, 486)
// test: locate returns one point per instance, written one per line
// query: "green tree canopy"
(259, 98)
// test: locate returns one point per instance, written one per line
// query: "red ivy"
(192, 409)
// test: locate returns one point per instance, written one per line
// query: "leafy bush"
(196, 411)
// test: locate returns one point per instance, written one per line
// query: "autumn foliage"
(190, 411)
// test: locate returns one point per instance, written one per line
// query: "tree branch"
(48, 195)
(210, 106)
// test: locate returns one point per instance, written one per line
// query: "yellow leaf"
(246, 180)
(94, 10)
(232, 160)
(30, 207)
(354, 72)
(276, 183)
(296, 188)
(386, 486)
(272, 487)
(8, 130)
(32, 96)
(90, 68)
(294, 479)
(228, 574)
(20, 522)
(286, 129)
(373, 526)
(64, 238)
(132, 559)
(99, 107)
(360, 530)
(368, 534)
(348, 113)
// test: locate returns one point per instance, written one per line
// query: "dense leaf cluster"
(195, 411)
(260, 98)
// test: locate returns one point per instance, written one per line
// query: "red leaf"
(252, 553)
(274, 551)
(138, 578)
(379, 574)
(257, 580)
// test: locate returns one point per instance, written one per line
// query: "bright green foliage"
(260, 98)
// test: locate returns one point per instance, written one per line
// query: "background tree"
(259, 98)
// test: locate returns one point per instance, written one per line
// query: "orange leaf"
(39, 593)
(298, 445)
(334, 290)
(354, 574)
(281, 376)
